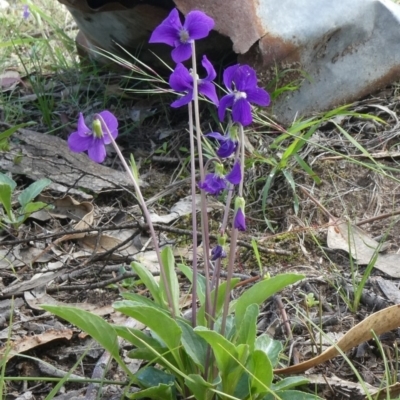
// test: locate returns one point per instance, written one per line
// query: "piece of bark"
(39, 155)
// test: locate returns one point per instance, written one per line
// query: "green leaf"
(260, 371)
(290, 382)
(136, 337)
(5, 199)
(6, 134)
(194, 345)
(307, 169)
(160, 392)
(8, 181)
(224, 351)
(149, 282)
(248, 328)
(148, 377)
(201, 282)
(272, 348)
(32, 191)
(291, 395)
(261, 291)
(30, 208)
(158, 321)
(149, 354)
(95, 326)
(168, 261)
(199, 387)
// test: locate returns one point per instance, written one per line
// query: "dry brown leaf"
(108, 242)
(9, 80)
(345, 236)
(30, 342)
(389, 264)
(66, 207)
(381, 394)
(379, 322)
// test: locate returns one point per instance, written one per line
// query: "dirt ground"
(92, 270)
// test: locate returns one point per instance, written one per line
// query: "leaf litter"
(94, 199)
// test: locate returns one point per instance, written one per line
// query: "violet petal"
(235, 176)
(228, 76)
(213, 184)
(241, 112)
(227, 148)
(186, 99)
(245, 78)
(112, 125)
(181, 80)
(182, 52)
(198, 24)
(240, 220)
(211, 74)
(208, 89)
(97, 151)
(78, 143)
(168, 31)
(217, 252)
(224, 103)
(258, 96)
(83, 130)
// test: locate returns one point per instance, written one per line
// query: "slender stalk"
(147, 216)
(194, 213)
(234, 236)
(204, 216)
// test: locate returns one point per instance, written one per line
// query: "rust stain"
(236, 19)
(391, 76)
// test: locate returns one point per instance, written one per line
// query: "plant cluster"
(215, 352)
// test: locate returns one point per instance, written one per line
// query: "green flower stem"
(147, 217)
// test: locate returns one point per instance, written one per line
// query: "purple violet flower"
(217, 252)
(94, 141)
(240, 220)
(181, 80)
(26, 13)
(197, 25)
(241, 82)
(215, 183)
(227, 145)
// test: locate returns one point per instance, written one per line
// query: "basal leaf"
(32, 207)
(5, 199)
(260, 371)
(8, 181)
(201, 282)
(168, 261)
(291, 395)
(148, 377)
(95, 326)
(224, 351)
(148, 281)
(199, 387)
(261, 291)
(158, 321)
(160, 392)
(32, 191)
(272, 348)
(194, 345)
(248, 328)
(289, 383)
